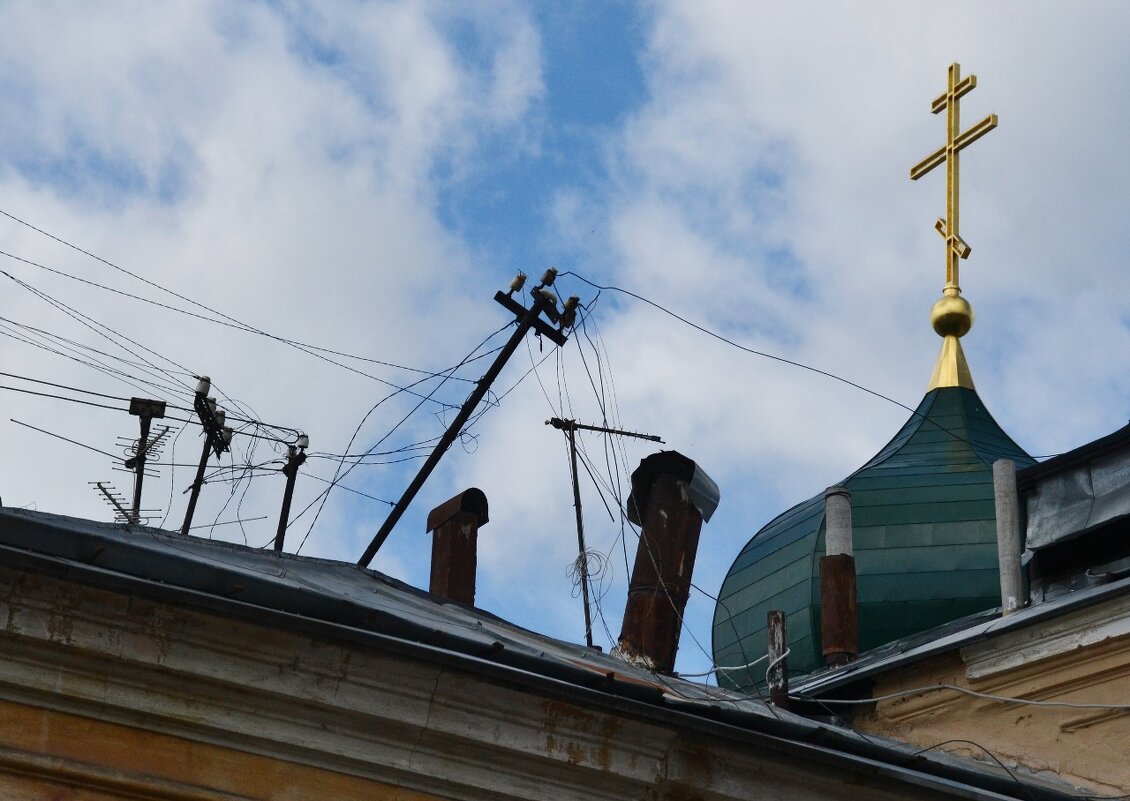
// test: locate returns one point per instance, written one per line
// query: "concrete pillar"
(1008, 535)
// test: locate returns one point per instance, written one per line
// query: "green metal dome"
(924, 541)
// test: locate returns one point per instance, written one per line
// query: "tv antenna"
(571, 427)
(139, 451)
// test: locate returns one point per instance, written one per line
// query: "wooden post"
(778, 673)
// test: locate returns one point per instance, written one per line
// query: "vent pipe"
(1008, 534)
(454, 525)
(839, 615)
(671, 498)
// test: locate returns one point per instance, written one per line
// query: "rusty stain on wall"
(594, 747)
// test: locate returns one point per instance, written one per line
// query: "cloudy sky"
(362, 176)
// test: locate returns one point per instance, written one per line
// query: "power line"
(64, 386)
(773, 357)
(338, 475)
(62, 397)
(1004, 699)
(65, 439)
(227, 320)
(93, 363)
(734, 344)
(79, 345)
(247, 434)
(94, 326)
(238, 326)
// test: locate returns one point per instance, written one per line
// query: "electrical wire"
(101, 329)
(771, 356)
(64, 386)
(224, 319)
(1004, 699)
(118, 408)
(62, 397)
(338, 474)
(65, 439)
(1027, 790)
(229, 322)
(76, 344)
(717, 668)
(91, 362)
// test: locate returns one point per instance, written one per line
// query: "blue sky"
(364, 176)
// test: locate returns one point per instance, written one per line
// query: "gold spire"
(952, 316)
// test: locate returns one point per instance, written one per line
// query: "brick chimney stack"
(671, 498)
(455, 532)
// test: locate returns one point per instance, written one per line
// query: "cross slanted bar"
(956, 248)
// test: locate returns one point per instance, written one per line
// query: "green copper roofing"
(924, 542)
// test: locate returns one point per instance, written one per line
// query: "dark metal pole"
(583, 559)
(196, 485)
(139, 468)
(469, 406)
(291, 472)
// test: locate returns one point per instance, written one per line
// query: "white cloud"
(289, 164)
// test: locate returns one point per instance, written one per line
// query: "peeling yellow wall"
(1085, 747)
(46, 754)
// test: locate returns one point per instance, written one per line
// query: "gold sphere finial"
(952, 316)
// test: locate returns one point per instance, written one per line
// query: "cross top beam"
(956, 141)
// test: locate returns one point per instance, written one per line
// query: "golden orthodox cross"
(956, 248)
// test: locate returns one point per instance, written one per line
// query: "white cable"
(719, 667)
(776, 662)
(988, 696)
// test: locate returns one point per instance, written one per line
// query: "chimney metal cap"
(472, 500)
(703, 492)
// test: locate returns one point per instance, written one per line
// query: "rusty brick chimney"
(454, 525)
(671, 498)
(839, 614)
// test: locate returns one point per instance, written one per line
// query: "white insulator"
(203, 385)
(303, 441)
(549, 297)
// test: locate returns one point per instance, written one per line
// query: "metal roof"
(951, 636)
(1077, 492)
(356, 604)
(924, 541)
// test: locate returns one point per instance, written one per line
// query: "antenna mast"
(570, 427)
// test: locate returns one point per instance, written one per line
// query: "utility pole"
(296, 455)
(217, 437)
(545, 302)
(145, 410)
(570, 427)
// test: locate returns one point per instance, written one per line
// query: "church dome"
(924, 541)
